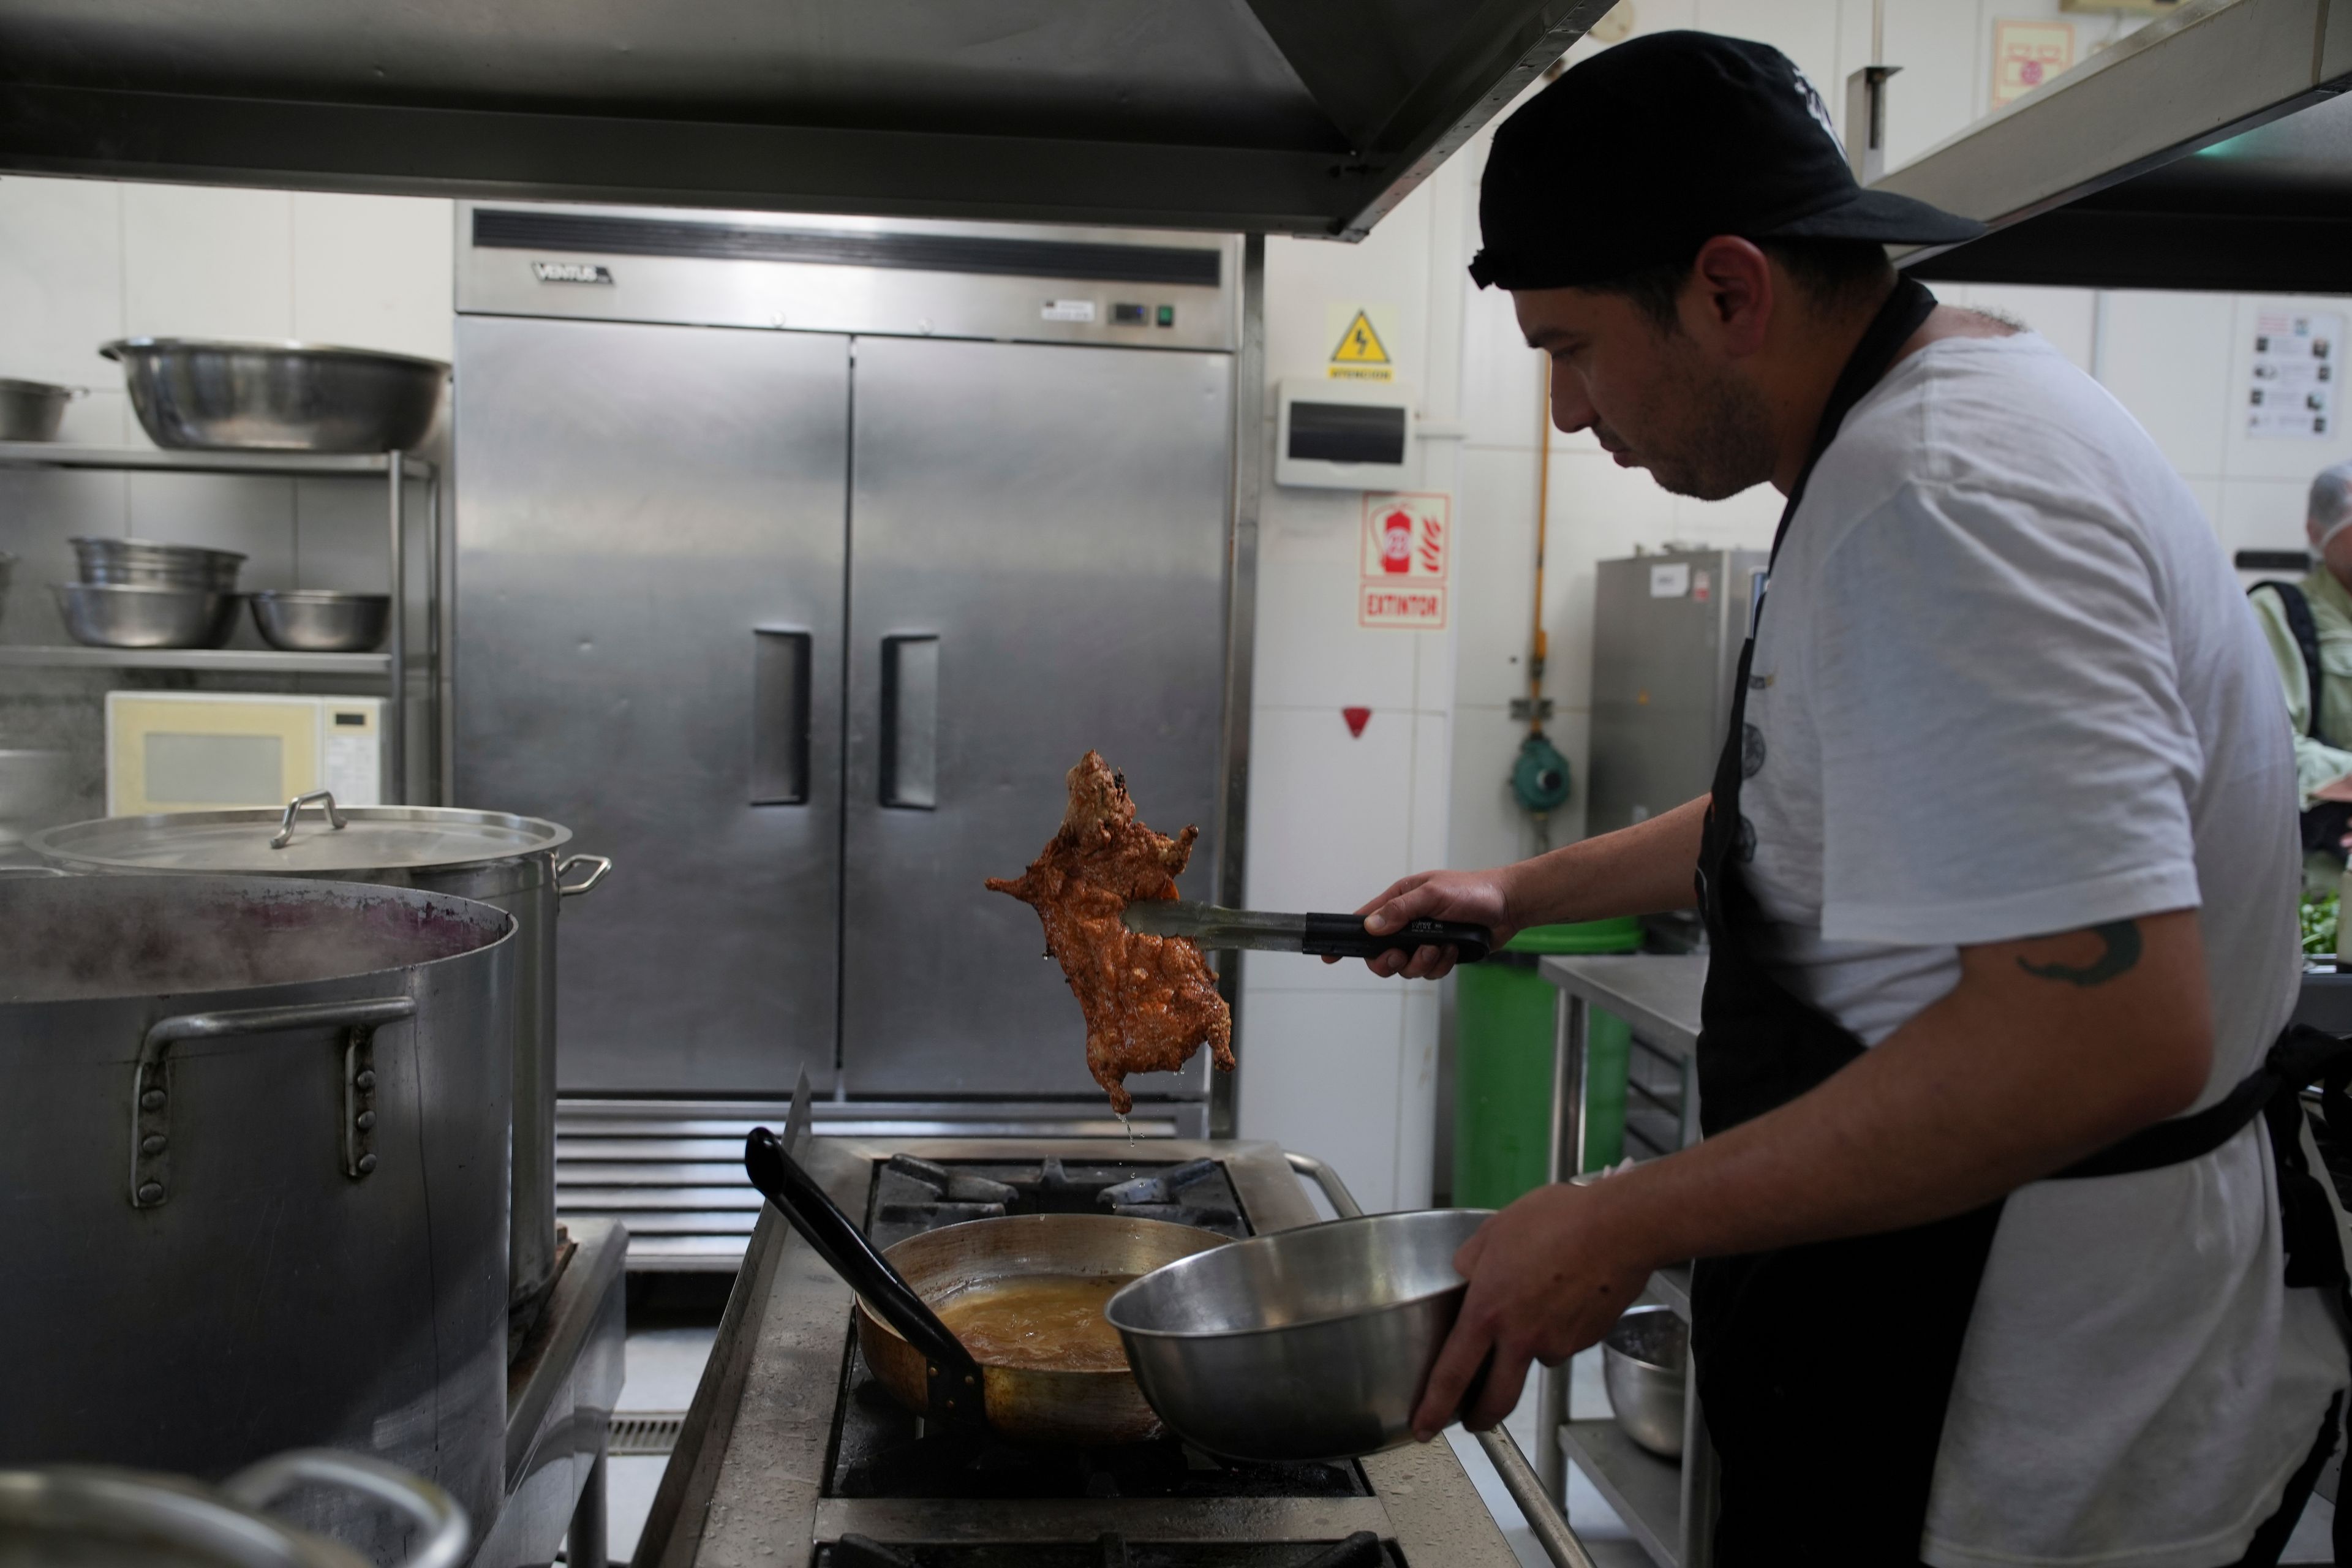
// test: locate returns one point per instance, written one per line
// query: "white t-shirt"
(2006, 685)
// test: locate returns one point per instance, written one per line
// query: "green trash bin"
(1503, 1018)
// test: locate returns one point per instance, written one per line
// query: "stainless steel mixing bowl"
(314, 620)
(32, 410)
(298, 398)
(1645, 1360)
(155, 565)
(135, 615)
(1311, 1343)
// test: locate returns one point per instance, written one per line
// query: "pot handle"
(151, 1089)
(601, 867)
(325, 797)
(434, 1511)
(954, 1383)
(1343, 1202)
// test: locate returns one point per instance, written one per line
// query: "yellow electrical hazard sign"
(1358, 353)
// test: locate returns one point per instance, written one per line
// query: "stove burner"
(1161, 1188)
(956, 1186)
(1111, 1550)
(912, 1195)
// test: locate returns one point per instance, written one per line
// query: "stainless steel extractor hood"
(1310, 117)
(2209, 150)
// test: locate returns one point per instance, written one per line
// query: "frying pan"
(917, 1358)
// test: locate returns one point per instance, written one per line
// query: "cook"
(2309, 627)
(1998, 871)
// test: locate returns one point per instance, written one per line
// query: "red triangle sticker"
(1357, 719)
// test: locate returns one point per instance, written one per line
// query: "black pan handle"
(1345, 936)
(953, 1379)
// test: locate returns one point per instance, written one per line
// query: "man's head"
(1681, 369)
(1675, 218)
(2327, 520)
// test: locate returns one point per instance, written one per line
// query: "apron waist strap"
(2301, 1056)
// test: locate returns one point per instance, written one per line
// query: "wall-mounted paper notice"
(2292, 389)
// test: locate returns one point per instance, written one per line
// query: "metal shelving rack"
(395, 469)
(1669, 1507)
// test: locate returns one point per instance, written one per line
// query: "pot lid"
(372, 838)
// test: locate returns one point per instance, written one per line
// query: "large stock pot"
(486, 856)
(253, 1188)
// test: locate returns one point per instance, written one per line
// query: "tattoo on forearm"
(2122, 938)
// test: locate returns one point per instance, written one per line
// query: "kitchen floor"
(674, 1319)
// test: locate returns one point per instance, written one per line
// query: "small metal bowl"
(1645, 1360)
(32, 410)
(315, 620)
(155, 565)
(136, 615)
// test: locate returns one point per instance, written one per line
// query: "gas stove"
(793, 1456)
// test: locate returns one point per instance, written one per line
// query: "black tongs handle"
(1345, 936)
(955, 1381)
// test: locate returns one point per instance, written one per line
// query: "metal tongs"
(1342, 936)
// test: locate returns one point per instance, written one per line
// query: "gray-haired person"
(2309, 626)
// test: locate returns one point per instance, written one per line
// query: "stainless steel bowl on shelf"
(138, 614)
(315, 620)
(1645, 1360)
(196, 394)
(1312, 1343)
(156, 565)
(32, 410)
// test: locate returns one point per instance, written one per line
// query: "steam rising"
(85, 938)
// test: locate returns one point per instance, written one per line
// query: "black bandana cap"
(1637, 156)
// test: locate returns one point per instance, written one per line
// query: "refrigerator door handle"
(910, 722)
(780, 717)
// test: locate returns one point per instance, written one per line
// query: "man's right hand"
(1480, 897)
(2337, 789)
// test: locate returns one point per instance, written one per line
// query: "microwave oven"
(214, 751)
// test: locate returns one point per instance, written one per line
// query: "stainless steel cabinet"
(1038, 567)
(651, 544)
(804, 630)
(1666, 631)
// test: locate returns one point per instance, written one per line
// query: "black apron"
(1823, 1370)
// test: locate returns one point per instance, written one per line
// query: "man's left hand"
(1548, 1276)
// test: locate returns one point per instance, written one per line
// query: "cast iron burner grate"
(913, 1196)
(881, 1451)
(1362, 1550)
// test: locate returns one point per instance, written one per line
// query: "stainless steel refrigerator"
(796, 561)
(1666, 631)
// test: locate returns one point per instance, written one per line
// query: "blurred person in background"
(2309, 627)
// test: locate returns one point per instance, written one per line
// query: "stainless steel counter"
(1670, 1510)
(561, 1390)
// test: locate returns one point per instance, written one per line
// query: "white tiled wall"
(1334, 1063)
